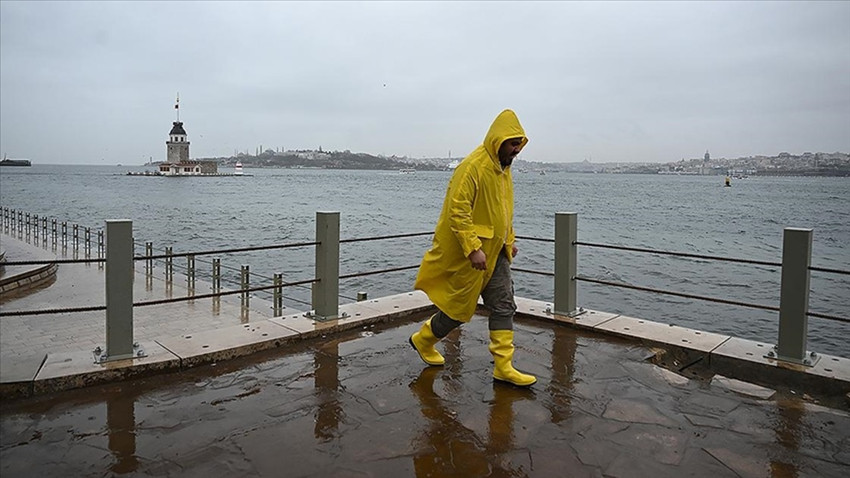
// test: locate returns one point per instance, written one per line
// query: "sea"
(690, 214)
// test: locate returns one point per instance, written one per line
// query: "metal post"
(794, 297)
(361, 296)
(278, 294)
(76, 237)
(326, 289)
(100, 248)
(216, 275)
(87, 235)
(119, 293)
(245, 280)
(55, 233)
(27, 225)
(169, 265)
(566, 257)
(149, 261)
(64, 234)
(190, 271)
(35, 228)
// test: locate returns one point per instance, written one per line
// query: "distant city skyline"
(96, 82)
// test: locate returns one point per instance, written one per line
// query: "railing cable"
(394, 236)
(381, 271)
(153, 302)
(680, 254)
(702, 297)
(537, 239)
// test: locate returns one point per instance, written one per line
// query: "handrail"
(95, 308)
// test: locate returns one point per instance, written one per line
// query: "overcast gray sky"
(95, 83)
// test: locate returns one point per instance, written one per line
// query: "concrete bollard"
(794, 298)
(566, 256)
(119, 294)
(326, 290)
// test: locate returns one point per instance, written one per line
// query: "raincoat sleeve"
(460, 214)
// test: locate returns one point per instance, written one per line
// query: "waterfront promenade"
(615, 396)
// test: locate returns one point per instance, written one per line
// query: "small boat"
(238, 171)
(15, 162)
(406, 171)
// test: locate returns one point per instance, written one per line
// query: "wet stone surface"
(363, 404)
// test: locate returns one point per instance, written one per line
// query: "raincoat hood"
(506, 126)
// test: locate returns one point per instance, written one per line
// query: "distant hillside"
(322, 160)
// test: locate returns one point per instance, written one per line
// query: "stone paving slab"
(587, 318)
(360, 403)
(63, 371)
(666, 334)
(747, 359)
(355, 314)
(228, 342)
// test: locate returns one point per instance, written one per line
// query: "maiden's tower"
(177, 162)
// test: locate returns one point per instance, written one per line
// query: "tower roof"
(177, 128)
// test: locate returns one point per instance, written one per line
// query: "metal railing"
(793, 308)
(119, 258)
(794, 292)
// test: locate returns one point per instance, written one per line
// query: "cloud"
(84, 82)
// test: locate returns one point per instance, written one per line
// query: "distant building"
(178, 146)
(177, 162)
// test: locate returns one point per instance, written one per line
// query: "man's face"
(508, 150)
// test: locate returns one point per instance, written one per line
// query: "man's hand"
(478, 259)
(514, 250)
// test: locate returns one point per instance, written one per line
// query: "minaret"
(177, 145)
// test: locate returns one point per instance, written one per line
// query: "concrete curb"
(723, 354)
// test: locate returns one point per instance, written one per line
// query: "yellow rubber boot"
(502, 348)
(424, 341)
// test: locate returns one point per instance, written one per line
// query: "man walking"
(472, 251)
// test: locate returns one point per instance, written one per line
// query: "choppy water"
(678, 213)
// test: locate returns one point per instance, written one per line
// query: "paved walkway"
(83, 285)
(361, 403)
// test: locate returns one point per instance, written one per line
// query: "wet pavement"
(361, 403)
(83, 285)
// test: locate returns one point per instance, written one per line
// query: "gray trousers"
(498, 297)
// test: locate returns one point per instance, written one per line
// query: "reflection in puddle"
(121, 424)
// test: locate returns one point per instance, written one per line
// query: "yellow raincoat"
(477, 214)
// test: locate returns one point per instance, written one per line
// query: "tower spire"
(177, 106)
